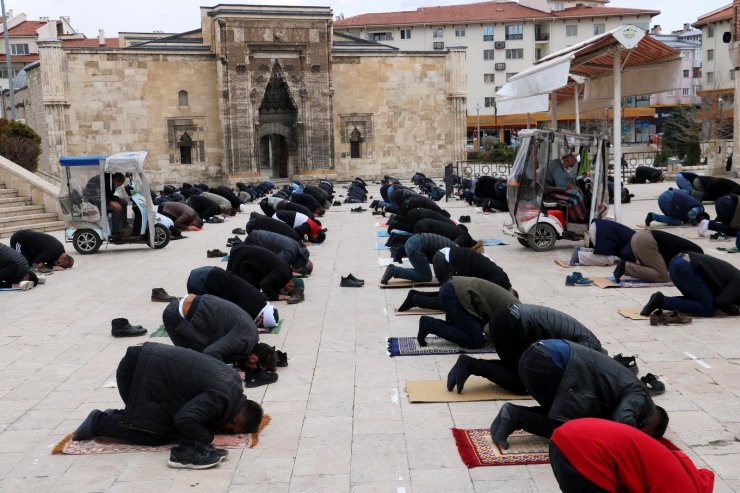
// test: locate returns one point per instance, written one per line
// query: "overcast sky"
(174, 16)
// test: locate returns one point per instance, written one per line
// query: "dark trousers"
(422, 271)
(109, 424)
(697, 298)
(8, 275)
(569, 479)
(508, 337)
(459, 326)
(725, 207)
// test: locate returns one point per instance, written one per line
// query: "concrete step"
(8, 192)
(47, 226)
(13, 202)
(27, 219)
(20, 210)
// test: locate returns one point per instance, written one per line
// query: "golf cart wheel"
(161, 236)
(542, 237)
(86, 241)
(523, 242)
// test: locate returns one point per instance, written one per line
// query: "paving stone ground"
(341, 421)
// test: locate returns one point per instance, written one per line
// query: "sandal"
(630, 362)
(668, 317)
(654, 386)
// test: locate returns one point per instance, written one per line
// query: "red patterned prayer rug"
(477, 449)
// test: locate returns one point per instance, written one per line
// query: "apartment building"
(501, 37)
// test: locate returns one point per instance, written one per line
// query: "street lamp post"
(7, 60)
(477, 130)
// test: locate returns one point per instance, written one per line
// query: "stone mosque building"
(257, 91)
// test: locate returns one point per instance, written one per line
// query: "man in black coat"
(169, 393)
(262, 269)
(258, 222)
(710, 188)
(42, 251)
(319, 194)
(229, 286)
(290, 250)
(653, 250)
(14, 270)
(308, 202)
(512, 330)
(455, 232)
(571, 381)
(465, 262)
(420, 250)
(203, 206)
(408, 221)
(302, 224)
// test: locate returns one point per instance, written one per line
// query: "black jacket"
(182, 393)
(613, 238)
(422, 202)
(431, 244)
(290, 250)
(317, 193)
(226, 193)
(468, 263)
(37, 247)
(454, 232)
(722, 278)
(298, 222)
(260, 267)
(670, 245)
(295, 207)
(596, 386)
(203, 206)
(226, 285)
(9, 256)
(306, 201)
(264, 223)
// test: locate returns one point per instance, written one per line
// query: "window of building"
(571, 30)
(697, 54)
(686, 73)
(710, 77)
(487, 33)
(710, 31)
(514, 31)
(558, 6)
(686, 54)
(509, 75)
(685, 91)
(642, 101)
(186, 149)
(459, 32)
(488, 54)
(19, 49)
(382, 37)
(696, 91)
(4, 71)
(438, 32)
(182, 98)
(496, 89)
(599, 29)
(489, 102)
(405, 33)
(537, 53)
(514, 54)
(710, 55)
(355, 138)
(670, 93)
(489, 78)
(697, 73)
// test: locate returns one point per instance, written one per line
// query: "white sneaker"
(25, 285)
(703, 227)
(41, 279)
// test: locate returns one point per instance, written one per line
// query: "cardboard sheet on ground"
(405, 283)
(563, 263)
(476, 389)
(628, 282)
(634, 314)
(417, 311)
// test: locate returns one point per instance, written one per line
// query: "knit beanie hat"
(270, 317)
(298, 283)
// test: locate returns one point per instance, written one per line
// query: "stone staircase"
(17, 212)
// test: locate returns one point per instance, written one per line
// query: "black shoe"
(192, 457)
(336, 203)
(258, 379)
(86, 430)
(121, 328)
(346, 282)
(296, 297)
(159, 294)
(654, 386)
(204, 448)
(215, 253)
(387, 275)
(238, 231)
(282, 359)
(378, 213)
(648, 218)
(628, 361)
(619, 270)
(464, 219)
(655, 302)
(233, 241)
(358, 209)
(353, 278)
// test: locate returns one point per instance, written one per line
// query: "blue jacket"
(613, 238)
(682, 204)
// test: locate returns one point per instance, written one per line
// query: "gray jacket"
(293, 252)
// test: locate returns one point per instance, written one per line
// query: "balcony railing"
(542, 36)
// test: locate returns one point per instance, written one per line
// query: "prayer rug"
(417, 311)
(494, 242)
(477, 449)
(405, 283)
(382, 234)
(563, 263)
(103, 445)
(160, 332)
(10, 289)
(728, 250)
(381, 246)
(627, 282)
(271, 330)
(409, 346)
(476, 389)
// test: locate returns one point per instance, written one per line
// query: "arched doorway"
(278, 114)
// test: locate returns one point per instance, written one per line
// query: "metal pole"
(477, 131)
(8, 63)
(578, 112)
(617, 134)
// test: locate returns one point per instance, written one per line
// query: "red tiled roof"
(478, 13)
(718, 15)
(26, 28)
(90, 43)
(21, 58)
(585, 11)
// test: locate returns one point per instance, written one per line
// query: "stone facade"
(258, 92)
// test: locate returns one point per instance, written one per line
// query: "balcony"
(541, 37)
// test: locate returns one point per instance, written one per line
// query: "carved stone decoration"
(253, 94)
(315, 68)
(241, 69)
(264, 67)
(260, 79)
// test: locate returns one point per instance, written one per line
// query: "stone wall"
(400, 106)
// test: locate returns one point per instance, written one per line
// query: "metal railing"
(456, 173)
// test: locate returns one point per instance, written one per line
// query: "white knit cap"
(269, 316)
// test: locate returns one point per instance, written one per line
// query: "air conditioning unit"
(499, 45)
(500, 66)
(439, 45)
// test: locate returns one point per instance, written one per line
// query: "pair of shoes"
(260, 378)
(215, 253)
(387, 275)
(282, 359)
(351, 282)
(159, 294)
(203, 447)
(577, 279)
(628, 361)
(619, 270)
(648, 218)
(358, 209)
(296, 297)
(25, 285)
(378, 213)
(718, 237)
(654, 386)
(464, 219)
(121, 328)
(188, 456)
(238, 231)
(655, 302)
(703, 227)
(668, 317)
(336, 203)
(233, 241)
(216, 220)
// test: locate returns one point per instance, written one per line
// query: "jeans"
(459, 326)
(665, 203)
(725, 207)
(422, 272)
(683, 183)
(697, 298)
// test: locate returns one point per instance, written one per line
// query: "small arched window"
(182, 97)
(355, 137)
(186, 149)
